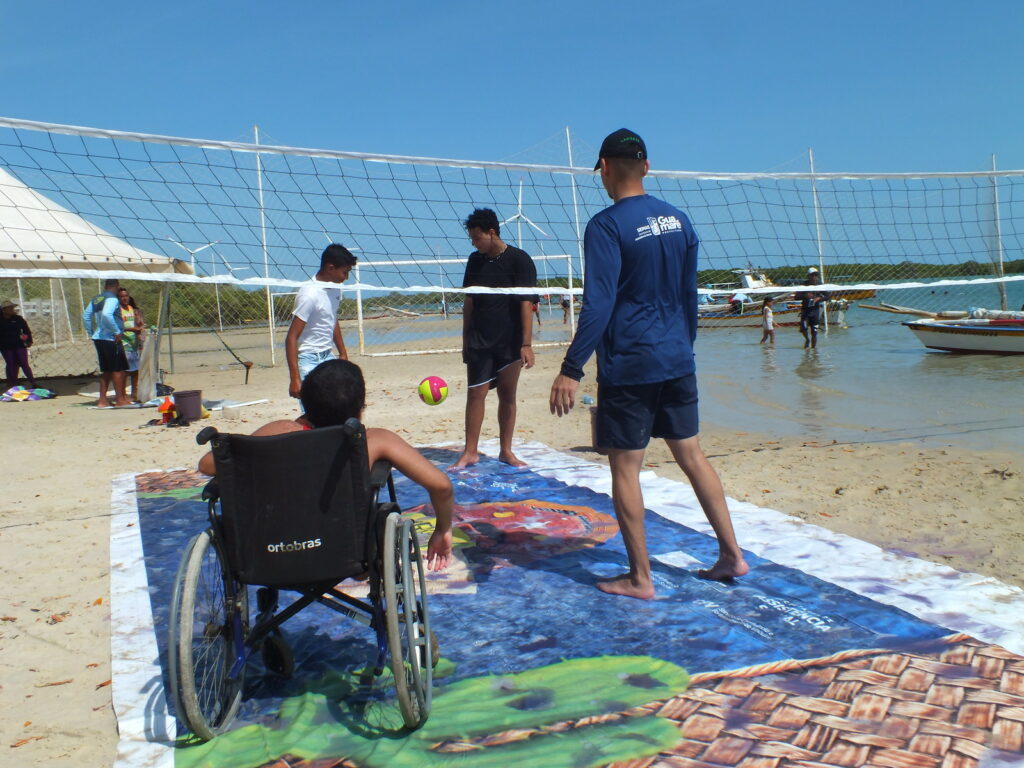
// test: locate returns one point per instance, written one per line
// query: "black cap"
(622, 143)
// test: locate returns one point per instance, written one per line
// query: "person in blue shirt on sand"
(640, 314)
(102, 321)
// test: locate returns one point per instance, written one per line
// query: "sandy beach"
(942, 503)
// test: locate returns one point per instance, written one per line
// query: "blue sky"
(729, 86)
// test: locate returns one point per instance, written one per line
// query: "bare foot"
(726, 569)
(103, 403)
(626, 586)
(467, 459)
(121, 402)
(511, 459)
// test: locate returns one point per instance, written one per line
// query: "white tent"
(36, 233)
(39, 238)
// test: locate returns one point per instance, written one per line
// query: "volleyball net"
(214, 237)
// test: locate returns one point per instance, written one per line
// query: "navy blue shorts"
(629, 416)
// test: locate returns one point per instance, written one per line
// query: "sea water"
(869, 382)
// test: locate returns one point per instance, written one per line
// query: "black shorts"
(110, 355)
(483, 365)
(810, 322)
(629, 416)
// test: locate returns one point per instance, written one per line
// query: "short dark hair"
(111, 282)
(333, 392)
(337, 256)
(630, 167)
(131, 299)
(483, 219)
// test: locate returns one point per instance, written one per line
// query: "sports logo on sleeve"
(659, 225)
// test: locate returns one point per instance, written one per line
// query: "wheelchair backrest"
(295, 508)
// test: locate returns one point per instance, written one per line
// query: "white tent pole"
(21, 296)
(1004, 304)
(263, 240)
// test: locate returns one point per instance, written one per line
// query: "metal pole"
(444, 303)
(576, 218)
(817, 228)
(21, 296)
(359, 312)
(572, 299)
(1003, 302)
(263, 240)
(67, 314)
(53, 317)
(216, 290)
(519, 217)
(81, 303)
(170, 329)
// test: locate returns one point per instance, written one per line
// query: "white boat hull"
(976, 339)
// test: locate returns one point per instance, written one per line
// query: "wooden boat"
(977, 336)
(746, 319)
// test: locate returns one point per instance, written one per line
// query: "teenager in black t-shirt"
(497, 332)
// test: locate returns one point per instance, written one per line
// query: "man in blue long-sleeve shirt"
(640, 315)
(102, 321)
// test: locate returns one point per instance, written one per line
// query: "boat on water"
(991, 336)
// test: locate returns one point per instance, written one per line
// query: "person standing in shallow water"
(497, 332)
(810, 309)
(768, 320)
(641, 262)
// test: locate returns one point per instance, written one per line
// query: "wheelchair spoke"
(204, 648)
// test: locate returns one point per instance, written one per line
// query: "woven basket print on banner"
(959, 707)
(948, 709)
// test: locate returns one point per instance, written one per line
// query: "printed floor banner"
(831, 652)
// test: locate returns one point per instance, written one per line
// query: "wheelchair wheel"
(408, 623)
(201, 648)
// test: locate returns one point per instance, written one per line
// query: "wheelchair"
(298, 512)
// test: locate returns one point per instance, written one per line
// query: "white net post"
(998, 260)
(263, 243)
(359, 312)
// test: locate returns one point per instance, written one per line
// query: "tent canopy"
(37, 233)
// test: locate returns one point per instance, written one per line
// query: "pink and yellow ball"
(433, 390)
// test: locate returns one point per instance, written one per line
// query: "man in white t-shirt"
(314, 329)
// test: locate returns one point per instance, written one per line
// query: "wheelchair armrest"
(379, 474)
(211, 492)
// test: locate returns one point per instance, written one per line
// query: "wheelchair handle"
(206, 434)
